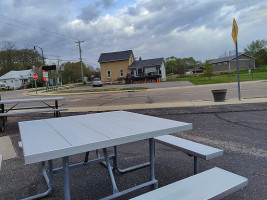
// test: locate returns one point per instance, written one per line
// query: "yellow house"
(114, 65)
(121, 66)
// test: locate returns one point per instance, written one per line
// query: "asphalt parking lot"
(240, 130)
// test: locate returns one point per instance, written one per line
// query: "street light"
(34, 47)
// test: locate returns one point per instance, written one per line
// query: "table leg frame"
(152, 181)
(48, 179)
(116, 193)
(128, 169)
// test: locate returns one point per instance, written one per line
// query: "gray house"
(148, 68)
(229, 63)
(16, 79)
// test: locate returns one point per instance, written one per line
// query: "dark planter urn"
(219, 95)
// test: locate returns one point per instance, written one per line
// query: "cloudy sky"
(151, 28)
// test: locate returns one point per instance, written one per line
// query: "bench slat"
(31, 111)
(215, 183)
(1, 158)
(193, 148)
(31, 100)
(32, 107)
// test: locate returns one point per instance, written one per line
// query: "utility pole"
(58, 60)
(34, 47)
(80, 50)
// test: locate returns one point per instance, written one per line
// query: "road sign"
(234, 31)
(45, 74)
(35, 76)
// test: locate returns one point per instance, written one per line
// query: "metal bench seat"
(215, 183)
(31, 111)
(1, 158)
(191, 148)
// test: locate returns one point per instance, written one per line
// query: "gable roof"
(115, 56)
(146, 63)
(227, 58)
(16, 74)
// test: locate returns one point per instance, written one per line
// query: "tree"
(258, 50)
(72, 72)
(208, 69)
(18, 59)
(178, 65)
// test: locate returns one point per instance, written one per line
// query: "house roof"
(146, 63)
(227, 58)
(115, 56)
(16, 74)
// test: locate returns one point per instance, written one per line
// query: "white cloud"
(162, 28)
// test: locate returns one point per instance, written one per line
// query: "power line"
(18, 22)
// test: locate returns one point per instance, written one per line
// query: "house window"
(108, 74)
(121, 73)
(225, 63)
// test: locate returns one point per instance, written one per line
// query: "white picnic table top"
(31, 100)
(59, 137)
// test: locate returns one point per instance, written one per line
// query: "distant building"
(229, 63)
(148, 68)
(114, 65)
(16, 79)
(121, 66)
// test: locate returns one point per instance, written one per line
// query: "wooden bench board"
(215, 183)
(193, 148)
(31, 111)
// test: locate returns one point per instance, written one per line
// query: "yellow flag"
(234, 31)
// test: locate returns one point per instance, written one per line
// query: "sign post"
(35, 77)
(45, 77)
(234, 36)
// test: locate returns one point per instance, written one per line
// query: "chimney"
(140, 58)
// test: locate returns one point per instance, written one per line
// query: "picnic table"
(14, 109)
(66, 136)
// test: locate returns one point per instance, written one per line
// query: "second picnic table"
(13, 109)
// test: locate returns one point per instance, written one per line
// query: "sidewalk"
(196, 103)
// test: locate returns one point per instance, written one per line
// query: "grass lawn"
(224, 77)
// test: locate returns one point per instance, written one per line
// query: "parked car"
(3, 86)
(97, 82)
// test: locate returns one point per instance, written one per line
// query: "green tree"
(208, 69)
(258, 50)
(72, 72)
(179, 65)
(17, 59)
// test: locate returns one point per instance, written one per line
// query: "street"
(159, 93)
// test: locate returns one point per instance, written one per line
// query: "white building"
(15, 79)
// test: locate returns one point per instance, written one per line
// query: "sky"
(151, 28)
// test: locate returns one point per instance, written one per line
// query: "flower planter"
(219, 95)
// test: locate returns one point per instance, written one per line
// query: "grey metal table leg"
(56, 106)
(48, 179)
(195, 165)
(129, 169)
(66, 178)
(152, 161)
(115, 188)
